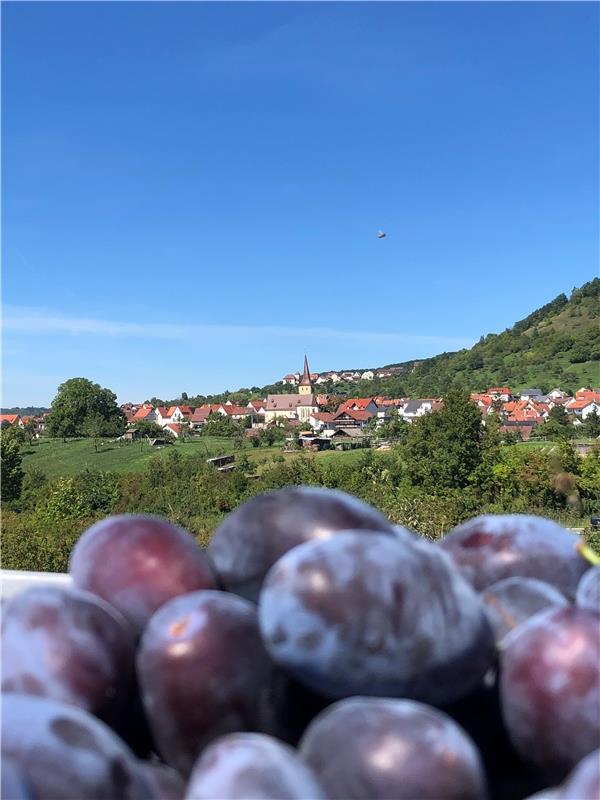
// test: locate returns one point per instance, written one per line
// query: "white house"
(368, 375)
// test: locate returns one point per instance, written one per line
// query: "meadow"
(55, 458)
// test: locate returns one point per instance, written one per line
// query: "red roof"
(174, 427)
(578, 405)
(257, 405)
(359, 416)
(237, 411)
(323, 416)
(143, 412)
(200, 415)
(10, 418)
(499, 390)
(162, 411)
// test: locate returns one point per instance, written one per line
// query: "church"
(293, 406)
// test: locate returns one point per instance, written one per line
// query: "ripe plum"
(252, 766)
(202, 668)
(550, 688)
(253, 536)
(513, 600)
(375, 615)
(376, 748)
(68, 645)
(66, 753)
(137, 563)
(491, 547)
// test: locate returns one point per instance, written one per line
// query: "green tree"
(29, 429)
(149, 429)
(444, 448)
(591, 426)
(78, 399)
(11, 474)
(394, 427)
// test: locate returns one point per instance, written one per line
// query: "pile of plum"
(315, 651)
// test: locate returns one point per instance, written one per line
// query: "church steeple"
(305, 386)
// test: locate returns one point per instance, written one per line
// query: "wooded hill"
(559, 344)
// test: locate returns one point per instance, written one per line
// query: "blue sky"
(191, 192)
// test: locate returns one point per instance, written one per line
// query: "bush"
(32, 543)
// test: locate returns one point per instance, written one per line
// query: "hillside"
(557, 344)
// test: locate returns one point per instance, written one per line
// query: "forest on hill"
(559, 344)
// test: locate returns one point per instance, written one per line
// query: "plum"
(68, 645)
(513, 600)
(368, 748)
(375, 615)
(164, 783)
(252, 766)
(14, 784)
(202, 670)
(584, 780)
(491, 547)
(137, 563)
(550, 688)
(66, 753)
(253, 536)
(588, 590)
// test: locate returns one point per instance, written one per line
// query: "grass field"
(55, 457)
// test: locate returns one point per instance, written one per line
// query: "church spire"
(305, 386)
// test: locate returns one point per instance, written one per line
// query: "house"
(10, 419)
(238, 412)
(500, 393)
(179, 414)
(320, 419)
(557, 394)
(368, 375)
(359, 404)
(291, 379)
(174, 429)
(531, 394)
(293, 406)
(199, 417)
(322, 379)
(583, 408)
(334, 377)
(145, 413)
(350, 418)
(257, 405)
(162, 416)
(418, 408)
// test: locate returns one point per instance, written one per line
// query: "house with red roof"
(582, 408)
(145, 413)
(320, 419)
(500, 393)
(174, 429)
(359, 404)
(10, 419)
(199, 417)
(351, 418)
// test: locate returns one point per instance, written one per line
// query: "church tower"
(305, 386)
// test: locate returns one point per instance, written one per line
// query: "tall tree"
(444, 448)
(11, 474)
(77, 400)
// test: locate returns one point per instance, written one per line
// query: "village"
(319, 425)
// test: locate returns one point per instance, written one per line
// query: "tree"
(591, 426)
(11, 474)
(29, 428)
(444, 448)
(75, 401)
(149, 429)
(394, 428)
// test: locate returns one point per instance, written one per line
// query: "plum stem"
(586, 552)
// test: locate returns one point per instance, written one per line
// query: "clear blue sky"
(192, 192)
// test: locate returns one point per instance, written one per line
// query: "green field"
(55, 457)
